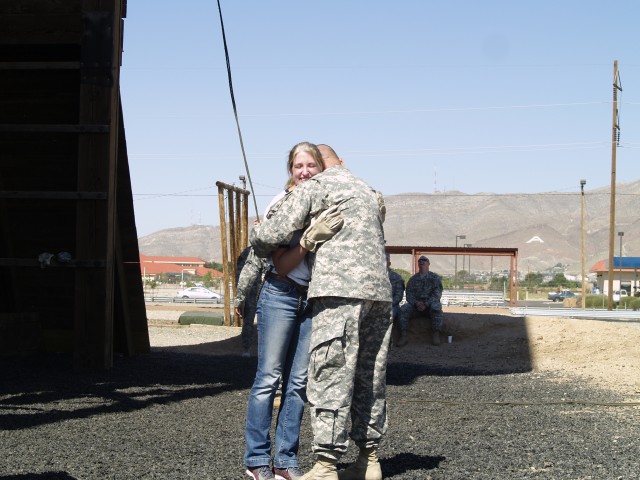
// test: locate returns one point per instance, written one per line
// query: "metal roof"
(628, 263)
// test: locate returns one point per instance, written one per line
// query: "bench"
(473, 298)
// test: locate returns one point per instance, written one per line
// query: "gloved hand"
(324, 227)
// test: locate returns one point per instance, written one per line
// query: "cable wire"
(235, 110)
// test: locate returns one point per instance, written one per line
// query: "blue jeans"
(284, 333)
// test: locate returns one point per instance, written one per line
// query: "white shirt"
(301, 273)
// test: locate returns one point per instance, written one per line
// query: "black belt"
(284, 278)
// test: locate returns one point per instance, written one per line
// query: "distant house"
(625, 274)
(176, 268)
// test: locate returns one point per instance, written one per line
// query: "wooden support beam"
(225, 259)
(97, 171)
(50, 195)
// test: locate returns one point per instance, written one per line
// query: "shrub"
(624, 303)
(596, 301)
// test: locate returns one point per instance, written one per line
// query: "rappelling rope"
(235, 110)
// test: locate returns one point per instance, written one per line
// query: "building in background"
(625, 275)
(175, 270)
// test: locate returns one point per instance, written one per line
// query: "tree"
(403, 273)
(498, 283)
(533, 279)
(215, 265)
(559, 280)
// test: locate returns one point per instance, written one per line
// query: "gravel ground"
(175, 415)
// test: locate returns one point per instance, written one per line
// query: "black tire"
(185, 296)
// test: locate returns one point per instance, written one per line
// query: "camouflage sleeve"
(382, 207)
(293, 214)
(250, 272)
(411, 291)
(437, 290)
(397, 288)
(242, 258)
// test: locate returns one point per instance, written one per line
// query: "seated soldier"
(423, 292)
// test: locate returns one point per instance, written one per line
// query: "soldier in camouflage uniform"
(424, 290)
(249, 271)
(351, 331)
(397, 291)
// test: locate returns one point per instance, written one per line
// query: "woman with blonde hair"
(284, 333)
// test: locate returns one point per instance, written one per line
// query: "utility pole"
(612, 213)
(584, 290)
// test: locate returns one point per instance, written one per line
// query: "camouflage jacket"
(397, 287)
(424, 288)
(251, 270)
(352, 264)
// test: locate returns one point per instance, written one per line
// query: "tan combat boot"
(366, 467)
(324, 469)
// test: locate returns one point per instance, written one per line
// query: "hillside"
(545, 227)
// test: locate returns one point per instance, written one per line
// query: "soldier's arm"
(293, 214)
(286, 259)
(401, 290)
(250, 272)
(438, 291)
(398, 290)
(410, 291)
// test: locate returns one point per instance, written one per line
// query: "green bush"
(630, 303)
(596, 301)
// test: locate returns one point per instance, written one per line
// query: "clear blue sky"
(415, 95)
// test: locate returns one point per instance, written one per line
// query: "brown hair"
(307, 147)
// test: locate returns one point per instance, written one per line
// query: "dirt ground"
(484, 340)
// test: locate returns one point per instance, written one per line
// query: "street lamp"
(620, 234)
(468, 245)
(584, 289)
(455, 272)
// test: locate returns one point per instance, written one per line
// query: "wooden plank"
(40, 7)
(33, 262)
(9, 301)
(53, 128)
(123, 297)
(95, 231)
(225, 259)
(132, 290)
(39, 29)
(45, 195)
(39, 65)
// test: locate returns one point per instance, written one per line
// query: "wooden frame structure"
(68, 249)
(234, 238)
(512, 253)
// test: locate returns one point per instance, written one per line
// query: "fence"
(474, 298)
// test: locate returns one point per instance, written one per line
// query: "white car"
(199, 292)
(619, 293)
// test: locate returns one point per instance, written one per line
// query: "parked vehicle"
(617, 294)
(199, 292)
(560, 296)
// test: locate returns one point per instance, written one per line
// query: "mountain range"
(545, 227)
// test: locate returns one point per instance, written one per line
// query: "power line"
(151, 196)
(425, 110)
(419, 151)
(402, 111)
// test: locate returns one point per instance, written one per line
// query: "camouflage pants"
(347, 373)
(395, 313)
(433, 311)
(248, 328)
(250, 307)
